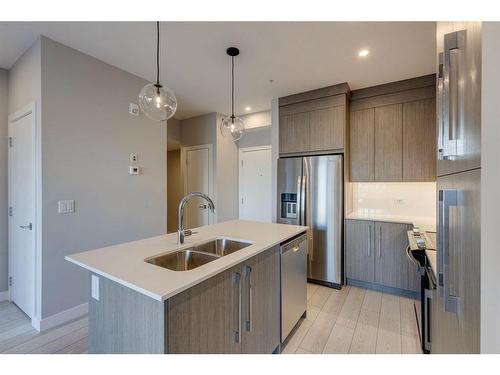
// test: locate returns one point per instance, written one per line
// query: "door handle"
(204, 206)
(29, 226)
(237, 332)
(249, 280)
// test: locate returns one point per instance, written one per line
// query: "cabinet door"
(362, 143)
(359, 251)
(294, 133)
(419, 140)
(261, 303)
(392, 267)
(327, 129)
(461, 69)
(205, 318)
(389, 143)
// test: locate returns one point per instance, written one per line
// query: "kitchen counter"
(124, 263)
(424, 223)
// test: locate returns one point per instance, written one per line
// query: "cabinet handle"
(237, 332)
(380, 241)
(249, 280)
(370, 240)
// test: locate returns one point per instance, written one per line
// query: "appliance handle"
(427, 316)
(451, 92)
(306, 205)
(410, 257)
(439, 106)
(447, 199)
(380, 241)
(370, 237)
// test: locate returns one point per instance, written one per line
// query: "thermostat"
(133, 169)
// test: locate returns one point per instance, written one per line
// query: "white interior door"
(197, 179)
(255, 187)
(22, 216)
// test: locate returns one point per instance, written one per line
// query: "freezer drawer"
(293, 283)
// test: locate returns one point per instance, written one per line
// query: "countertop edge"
(187, 285)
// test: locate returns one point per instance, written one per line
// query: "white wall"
(87, 136)
(490, 186)
(4, 90)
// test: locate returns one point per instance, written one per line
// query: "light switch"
(95, 287)
(66, 206)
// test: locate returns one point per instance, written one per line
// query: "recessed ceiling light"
(363, 53)
(248, 108)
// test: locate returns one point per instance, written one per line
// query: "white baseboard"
(4, 296)
(60, 318)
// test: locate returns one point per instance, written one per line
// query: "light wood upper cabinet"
(419, 140)
(326, 128)
(294, 132)
(389, 143)
(312, 126)
(362, 145)
(393, 132)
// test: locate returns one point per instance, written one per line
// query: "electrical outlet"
(133, 169)
(133, 158)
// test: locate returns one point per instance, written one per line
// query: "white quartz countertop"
(427, 224)
(125, 263)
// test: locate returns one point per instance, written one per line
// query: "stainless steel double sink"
(197, 255)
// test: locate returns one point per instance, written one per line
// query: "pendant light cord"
(232, 87)
(157, 52)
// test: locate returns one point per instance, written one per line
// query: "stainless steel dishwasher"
(293, 283)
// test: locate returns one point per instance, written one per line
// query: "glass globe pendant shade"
(157, 102)
(233, 126)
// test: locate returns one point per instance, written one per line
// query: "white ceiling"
(297, 56)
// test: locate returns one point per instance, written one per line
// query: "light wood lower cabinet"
(236, 311)
(392, 267)
(375, 253)
(359, 251)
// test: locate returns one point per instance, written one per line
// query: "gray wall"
(4, 90)
(226, 176)
(256, 137)
(175, 190)
(87, 136)
(490, 186)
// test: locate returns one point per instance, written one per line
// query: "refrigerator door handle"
(447, 271)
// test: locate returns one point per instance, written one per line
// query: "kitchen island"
(223, 303)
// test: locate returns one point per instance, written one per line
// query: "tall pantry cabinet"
(455, 318)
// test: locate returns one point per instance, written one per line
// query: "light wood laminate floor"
(351, 320)
(355, 320)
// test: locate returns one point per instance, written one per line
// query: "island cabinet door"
(205, 318)
(261, 303)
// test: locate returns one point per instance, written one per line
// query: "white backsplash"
(395, 198)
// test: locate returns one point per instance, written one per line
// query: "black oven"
(423, 306)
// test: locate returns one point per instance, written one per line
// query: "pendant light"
(156, 101)
(232, 125)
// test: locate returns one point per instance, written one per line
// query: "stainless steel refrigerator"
(310, 192)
